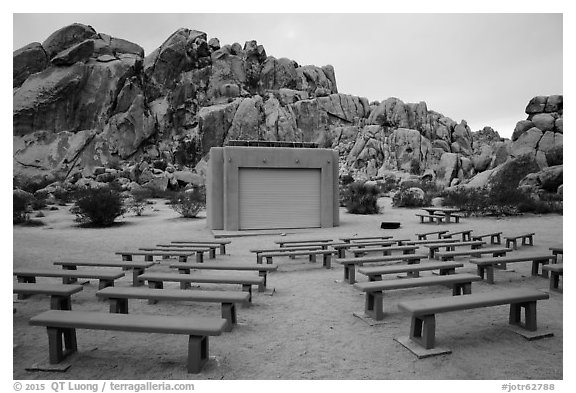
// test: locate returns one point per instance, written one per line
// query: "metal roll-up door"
(279, 198)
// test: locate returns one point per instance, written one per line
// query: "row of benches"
(61, 322)
(421, 339)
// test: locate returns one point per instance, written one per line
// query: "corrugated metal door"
(279, 198)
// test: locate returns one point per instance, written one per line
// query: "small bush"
(138, 201)
(410, 198)
(189, 203)
(39, 203)
(21, 201)
(63, 195)
(361, 198)
(499, 202)
(99, 206)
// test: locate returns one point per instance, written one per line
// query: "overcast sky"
(482, 68)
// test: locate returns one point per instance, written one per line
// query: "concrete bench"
(292, 242)
(373, 307)
(431, 218)
(527, 240)
(105, 279)
(184, 247)
(220, 243)
(423, 313)
(260, 268)
(557, 251)
(59, 294)
(555, 270)
(259, 251)
(428, 241)
(466, 235)
(424, 235)
(494, 237)
(384, 250)
(62, 325)
(451, 246)
(118, 298)
(343, 247)
(455, 216)
(348, 239)
(487, 265)
(326, 256)
(375, 273)
(365, 243)
(156, 280)
(137, 267)
(350, 264)
(449, 255)
(149, 255)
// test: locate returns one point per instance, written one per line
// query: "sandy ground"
(306, 329)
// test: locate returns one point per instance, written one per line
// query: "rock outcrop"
(84, 99)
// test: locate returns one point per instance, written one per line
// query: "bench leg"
(105, 283)
(480, 271)
(529, 315)
(212, 254)
(350, 274)
(248, 288)
(269, 260)
(136, 272)
(536, 268)
(263, 274)
(60, 302)
(197, 353)
(222, 249)
(312, 258)
(118, 306)
(445, 272)
(126, 257)
(147, 258)
(375, 277)
(199, 257)
(373, 306)
(341, 253)
(61, 343)
(69, 280)
(462, 289)
(229, 314)
(327, 261)
(490, 274)
(495, 239)
(554, 280)
(423, 330)
(155, 285)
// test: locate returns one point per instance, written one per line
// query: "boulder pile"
(89, 108)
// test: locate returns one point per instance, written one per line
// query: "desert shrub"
(405, 198)
(361, 198)
(39, 203)
(390, 183)
(31, 185)
(64, 195)
(138, 201)
(98, 206)
(498, 201)
(21, 201)
(188, 203)
(409, 197)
